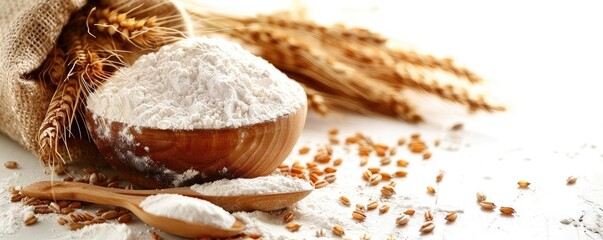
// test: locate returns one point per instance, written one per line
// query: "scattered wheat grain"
(402, 219)
(507, 210)
(288, 217)
(344, 200)
(451, 217)
(487, 205)
(338, 230)
(523, 184)
(11, 164)
(292, 227)
(571, 180)
(427, 227)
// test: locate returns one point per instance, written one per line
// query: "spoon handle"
(186, 191)
(77, 192)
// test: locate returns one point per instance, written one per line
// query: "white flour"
(180, 178)
(187, 209)
(251, 186)
(322, 210)
(11, 214)
(104, 231)
(197, 83)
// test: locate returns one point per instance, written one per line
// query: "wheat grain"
(11, 164)
(427, 227)
(387, 191)
(292, 227)
(288, 217)
(480, 196)
(338, 230)
(523, 184)
(375, 179)
(359, 215)
(112, 214)
(372, 205)
(487, 205)
(330, 178)
(409, 212)
(384, 208)
(344, 200)
(571, 180)
(507, 210)
(403, 219)
(337, 162)
(451, 217)
(30, 219)
(440, 176)
(428, 215)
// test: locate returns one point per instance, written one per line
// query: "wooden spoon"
(262, 202)
(101, 195)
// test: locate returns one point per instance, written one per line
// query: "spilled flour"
(11, 214)
(103, 231)
(252, 186)
(322, 209)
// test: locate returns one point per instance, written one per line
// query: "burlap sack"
(28, 31)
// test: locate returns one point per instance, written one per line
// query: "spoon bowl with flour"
(196, 111)
(175, 214)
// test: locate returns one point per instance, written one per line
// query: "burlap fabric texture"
(29, 30)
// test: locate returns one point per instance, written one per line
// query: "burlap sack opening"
(29, 30)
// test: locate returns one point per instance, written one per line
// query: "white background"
(541, 58)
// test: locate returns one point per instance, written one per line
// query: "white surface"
(542, 58)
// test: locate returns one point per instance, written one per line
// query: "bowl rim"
(92, 116)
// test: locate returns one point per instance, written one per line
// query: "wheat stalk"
(351, 68)
(316, 101)
(57, 120)
(338, 33)
(133, 27)
(53, 67)
(86, 66)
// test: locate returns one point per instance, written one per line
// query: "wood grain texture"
(247, 152)
(100, 195)
(261, 202)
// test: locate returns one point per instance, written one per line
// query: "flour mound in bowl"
(197, 83)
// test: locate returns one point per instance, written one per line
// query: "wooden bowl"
(156, 158)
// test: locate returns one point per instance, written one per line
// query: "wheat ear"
(339, 33)
(320, 71)
(351, 68)
(87, 65)
(58, 118)
(146, 33)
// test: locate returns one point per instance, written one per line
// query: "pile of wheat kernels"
(71, 214)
